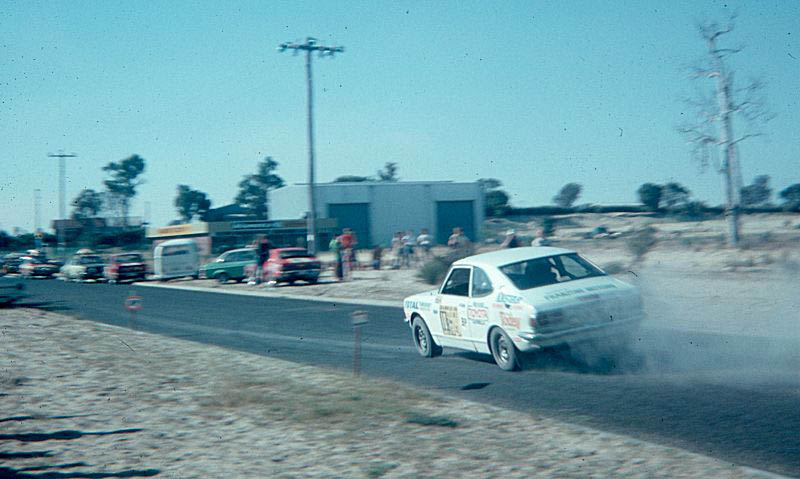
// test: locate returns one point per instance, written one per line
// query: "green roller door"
(354, 216)
(450, 214)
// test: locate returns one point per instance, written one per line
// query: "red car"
(292, 264)
(125, 267)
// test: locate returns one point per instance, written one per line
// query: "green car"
(229, 265)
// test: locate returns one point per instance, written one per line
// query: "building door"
(354, 216)
(450, 214)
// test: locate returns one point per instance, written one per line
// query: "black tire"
(313, 280)
(423, 339)
(222, 278)
(503, 350)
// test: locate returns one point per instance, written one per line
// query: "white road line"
(270, 294)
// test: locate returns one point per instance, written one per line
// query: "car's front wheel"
(503, 350)
(423, 339)
(222, 278)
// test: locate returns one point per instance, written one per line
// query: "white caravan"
(176, 259)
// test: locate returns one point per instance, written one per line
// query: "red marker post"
(133, 303)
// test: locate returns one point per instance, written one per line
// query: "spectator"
(408, 248)
(511, 240)
(348, 241)
(540, 239)
(397, 249)
(424, 244)
(459, 242)
(377, 252)
(336, 248)
(263, 247)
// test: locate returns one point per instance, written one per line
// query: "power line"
(311, 46)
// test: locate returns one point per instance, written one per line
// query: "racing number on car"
(451, 325)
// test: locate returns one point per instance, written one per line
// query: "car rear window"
(295, 254)
(537, 272)
(128, 258)
(87, 259)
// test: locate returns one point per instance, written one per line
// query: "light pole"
(61, 192)
(309, 47)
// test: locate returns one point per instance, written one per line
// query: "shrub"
(433, 270)
(640, 242)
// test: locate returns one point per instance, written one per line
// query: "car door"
(453, 299)
(481, 289)
(238, 260)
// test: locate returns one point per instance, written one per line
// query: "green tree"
(495, 200)
(124, 181)
(791, 197)
(191, 203)
(758, 193)
(650, 195)
(254, 189)
(388, 173)
(87, 204)
(568, 195)
(674, 196)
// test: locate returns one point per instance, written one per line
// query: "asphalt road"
(685, 389)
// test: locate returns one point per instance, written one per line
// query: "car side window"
(457, 283)
(481, 284)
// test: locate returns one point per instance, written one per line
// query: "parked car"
(230, 265)
(125, 267)
(83, 266)
(176, 259)
(11, 263)
(11, 290)
(519, 300)
(292, 264)
(37, 267)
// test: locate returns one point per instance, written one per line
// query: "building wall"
(393, 207)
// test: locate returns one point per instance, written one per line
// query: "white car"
(520, 300)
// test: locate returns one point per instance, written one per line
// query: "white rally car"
(520, 300)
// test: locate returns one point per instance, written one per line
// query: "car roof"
(237, 250)
(511, 255)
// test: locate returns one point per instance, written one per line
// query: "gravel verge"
(81, 399)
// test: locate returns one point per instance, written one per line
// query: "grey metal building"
(376, 210)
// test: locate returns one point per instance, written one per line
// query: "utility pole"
(309, 47)
(37, 205)
(61, 194)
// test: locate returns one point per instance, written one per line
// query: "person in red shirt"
(348, 241)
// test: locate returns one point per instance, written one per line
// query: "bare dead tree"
(712, 130)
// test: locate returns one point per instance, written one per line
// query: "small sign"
(133, 303)
(359, 318)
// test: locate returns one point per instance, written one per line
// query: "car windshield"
(537, 272)
(90, 259)
(295, 254)
(128, 258)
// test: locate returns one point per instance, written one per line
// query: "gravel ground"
(81, 399)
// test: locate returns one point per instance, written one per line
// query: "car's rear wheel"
(423, 340)
(222, 278)
(503, 350)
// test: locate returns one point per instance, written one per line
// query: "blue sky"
(536, 94)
